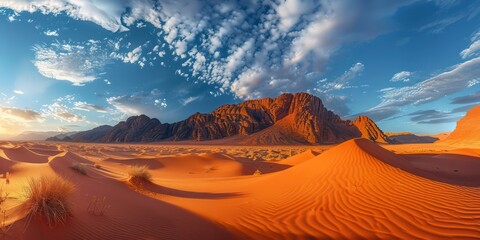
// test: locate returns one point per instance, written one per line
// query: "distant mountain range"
(407, 137)
(299, 118)
(34, 136)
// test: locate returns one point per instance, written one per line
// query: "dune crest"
(348, 192)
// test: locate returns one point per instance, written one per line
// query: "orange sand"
(357, 189)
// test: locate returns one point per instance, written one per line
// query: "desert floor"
(356, 189)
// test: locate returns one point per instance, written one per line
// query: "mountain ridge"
(299, 118)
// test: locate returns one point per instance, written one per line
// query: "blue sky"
(72, 65)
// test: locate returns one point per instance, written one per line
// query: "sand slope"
(349, 192)
(354, 190)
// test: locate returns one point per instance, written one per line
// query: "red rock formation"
(467, 131)
(299, 118)
(370, 130)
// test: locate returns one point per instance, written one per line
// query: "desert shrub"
(257, 172)
(47, 197)
(80, 168)
(139, 173)
(3, 217)
(97, 166)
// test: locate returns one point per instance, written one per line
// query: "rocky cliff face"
(300, 115)
(467, 131)
(370, 130)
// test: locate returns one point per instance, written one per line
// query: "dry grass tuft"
(4, 217)
(138, 174)
(80, 168)
(47, 197)
(257, 172)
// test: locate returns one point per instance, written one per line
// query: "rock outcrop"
(299, 116)
(370, 130)
(467, 131)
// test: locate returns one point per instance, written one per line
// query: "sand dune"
(5, 164)
(466, 131)
(190, 165)
(348, 192)
(299, 158)
(22, 154)
(354, 190)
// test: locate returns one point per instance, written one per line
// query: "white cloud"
(147, 103)
(89, 107)
(61, 112)
(277, 47)
(462, 76)
(403, 76)
(14, 120)
(76, 63)
(341, 82)
(474, 48)
(106, 14)
(160, 103)
(348, 75)
(51, 33)
(188, 100)
(290, 11)
(133, 56)
(17, 114)
(19, 92)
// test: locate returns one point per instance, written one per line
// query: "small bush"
(257, 172)
(139, 174)
(97, 166)
(79, 168)
(47, 197)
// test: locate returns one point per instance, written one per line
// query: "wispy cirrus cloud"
(84, 106)
(460, 77)
(474, 48)
(189, 100)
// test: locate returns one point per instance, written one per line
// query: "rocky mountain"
(299, 118)
(407, 137)
(370, 130)
(93, 135)
(467, 131)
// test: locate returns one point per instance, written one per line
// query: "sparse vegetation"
(80, 168)
(138, 174)
(7, 177)
(4, 217)
(47, 197)
(97, 166)
(257, 172)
